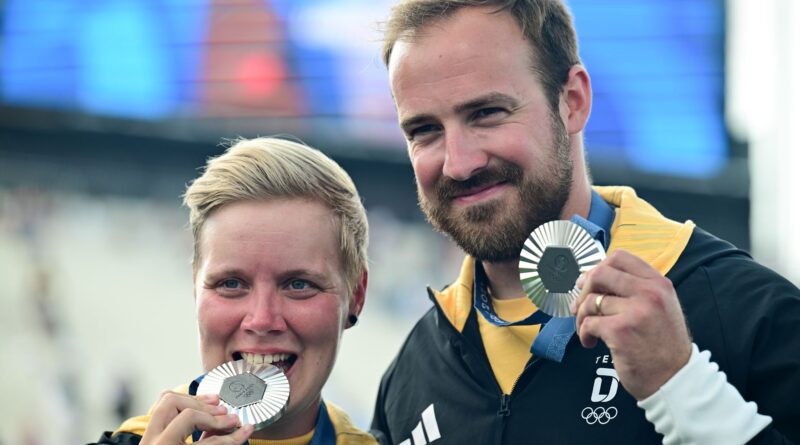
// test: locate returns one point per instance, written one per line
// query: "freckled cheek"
(322, 327)
(324, 332)
(215, 320)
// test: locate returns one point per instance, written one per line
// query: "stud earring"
(353, 319)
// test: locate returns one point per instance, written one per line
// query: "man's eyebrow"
(493, 98)
(490, 99)
(407, 124)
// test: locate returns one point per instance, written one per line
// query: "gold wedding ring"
(598, 304)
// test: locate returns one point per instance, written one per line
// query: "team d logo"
(605, 385)
(604, 389)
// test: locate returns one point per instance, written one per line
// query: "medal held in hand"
(258, 394)
(552, 258)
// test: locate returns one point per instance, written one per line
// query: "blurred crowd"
(90, 284)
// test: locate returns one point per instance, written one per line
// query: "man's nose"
(463, 155)
(265, 315)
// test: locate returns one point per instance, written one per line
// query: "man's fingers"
(621, 274)
(632, 264)
(587, 336)
(591, 330)
(605, 278)
(597, 305)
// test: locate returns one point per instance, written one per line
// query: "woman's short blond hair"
(265, 169)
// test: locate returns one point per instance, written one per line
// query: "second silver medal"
(552, 258)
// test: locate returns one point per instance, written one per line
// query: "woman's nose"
(264, 314)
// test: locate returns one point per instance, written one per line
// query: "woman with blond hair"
(280, 271)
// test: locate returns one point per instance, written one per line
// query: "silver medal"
(258, 394)
(552, 258)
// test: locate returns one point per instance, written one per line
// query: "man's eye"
(486, 112)
(230, 283)
(422, 130)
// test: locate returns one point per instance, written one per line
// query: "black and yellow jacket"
(132, 430)
(441, 387)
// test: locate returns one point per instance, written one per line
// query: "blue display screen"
(657, 69)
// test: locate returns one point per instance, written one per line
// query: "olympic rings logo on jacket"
(599, 415)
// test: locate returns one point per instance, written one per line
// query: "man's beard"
(486, 231)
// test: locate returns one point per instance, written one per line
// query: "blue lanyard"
(324, 432)
(551, 342)
(482, 303)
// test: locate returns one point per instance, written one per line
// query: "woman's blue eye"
(298, 284)
(230, 283)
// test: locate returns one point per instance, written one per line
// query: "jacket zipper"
(505, 399)
(504, 409)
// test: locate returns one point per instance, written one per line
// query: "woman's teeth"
(260, 359)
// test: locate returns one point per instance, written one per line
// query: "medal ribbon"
(551, 342)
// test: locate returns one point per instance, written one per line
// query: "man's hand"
(639, 318)
(176, 416)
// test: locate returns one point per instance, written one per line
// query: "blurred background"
(109, 107)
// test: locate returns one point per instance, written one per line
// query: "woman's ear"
(357, 302)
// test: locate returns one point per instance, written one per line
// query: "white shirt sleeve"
(698, 406)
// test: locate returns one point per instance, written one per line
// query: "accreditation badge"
(552, 258)
(258, 394)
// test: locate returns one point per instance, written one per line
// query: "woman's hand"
(176, 416)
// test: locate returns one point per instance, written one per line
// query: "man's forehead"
(471, 20)
(465, 35)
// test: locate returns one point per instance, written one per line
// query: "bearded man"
(493, 100)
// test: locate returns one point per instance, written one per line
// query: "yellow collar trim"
(638, 228)
(305, 439)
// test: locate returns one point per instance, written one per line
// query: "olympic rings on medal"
(598, 415)
(598, 304)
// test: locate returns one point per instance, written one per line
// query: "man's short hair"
(546, 24)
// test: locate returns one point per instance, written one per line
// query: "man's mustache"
(447, 188)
